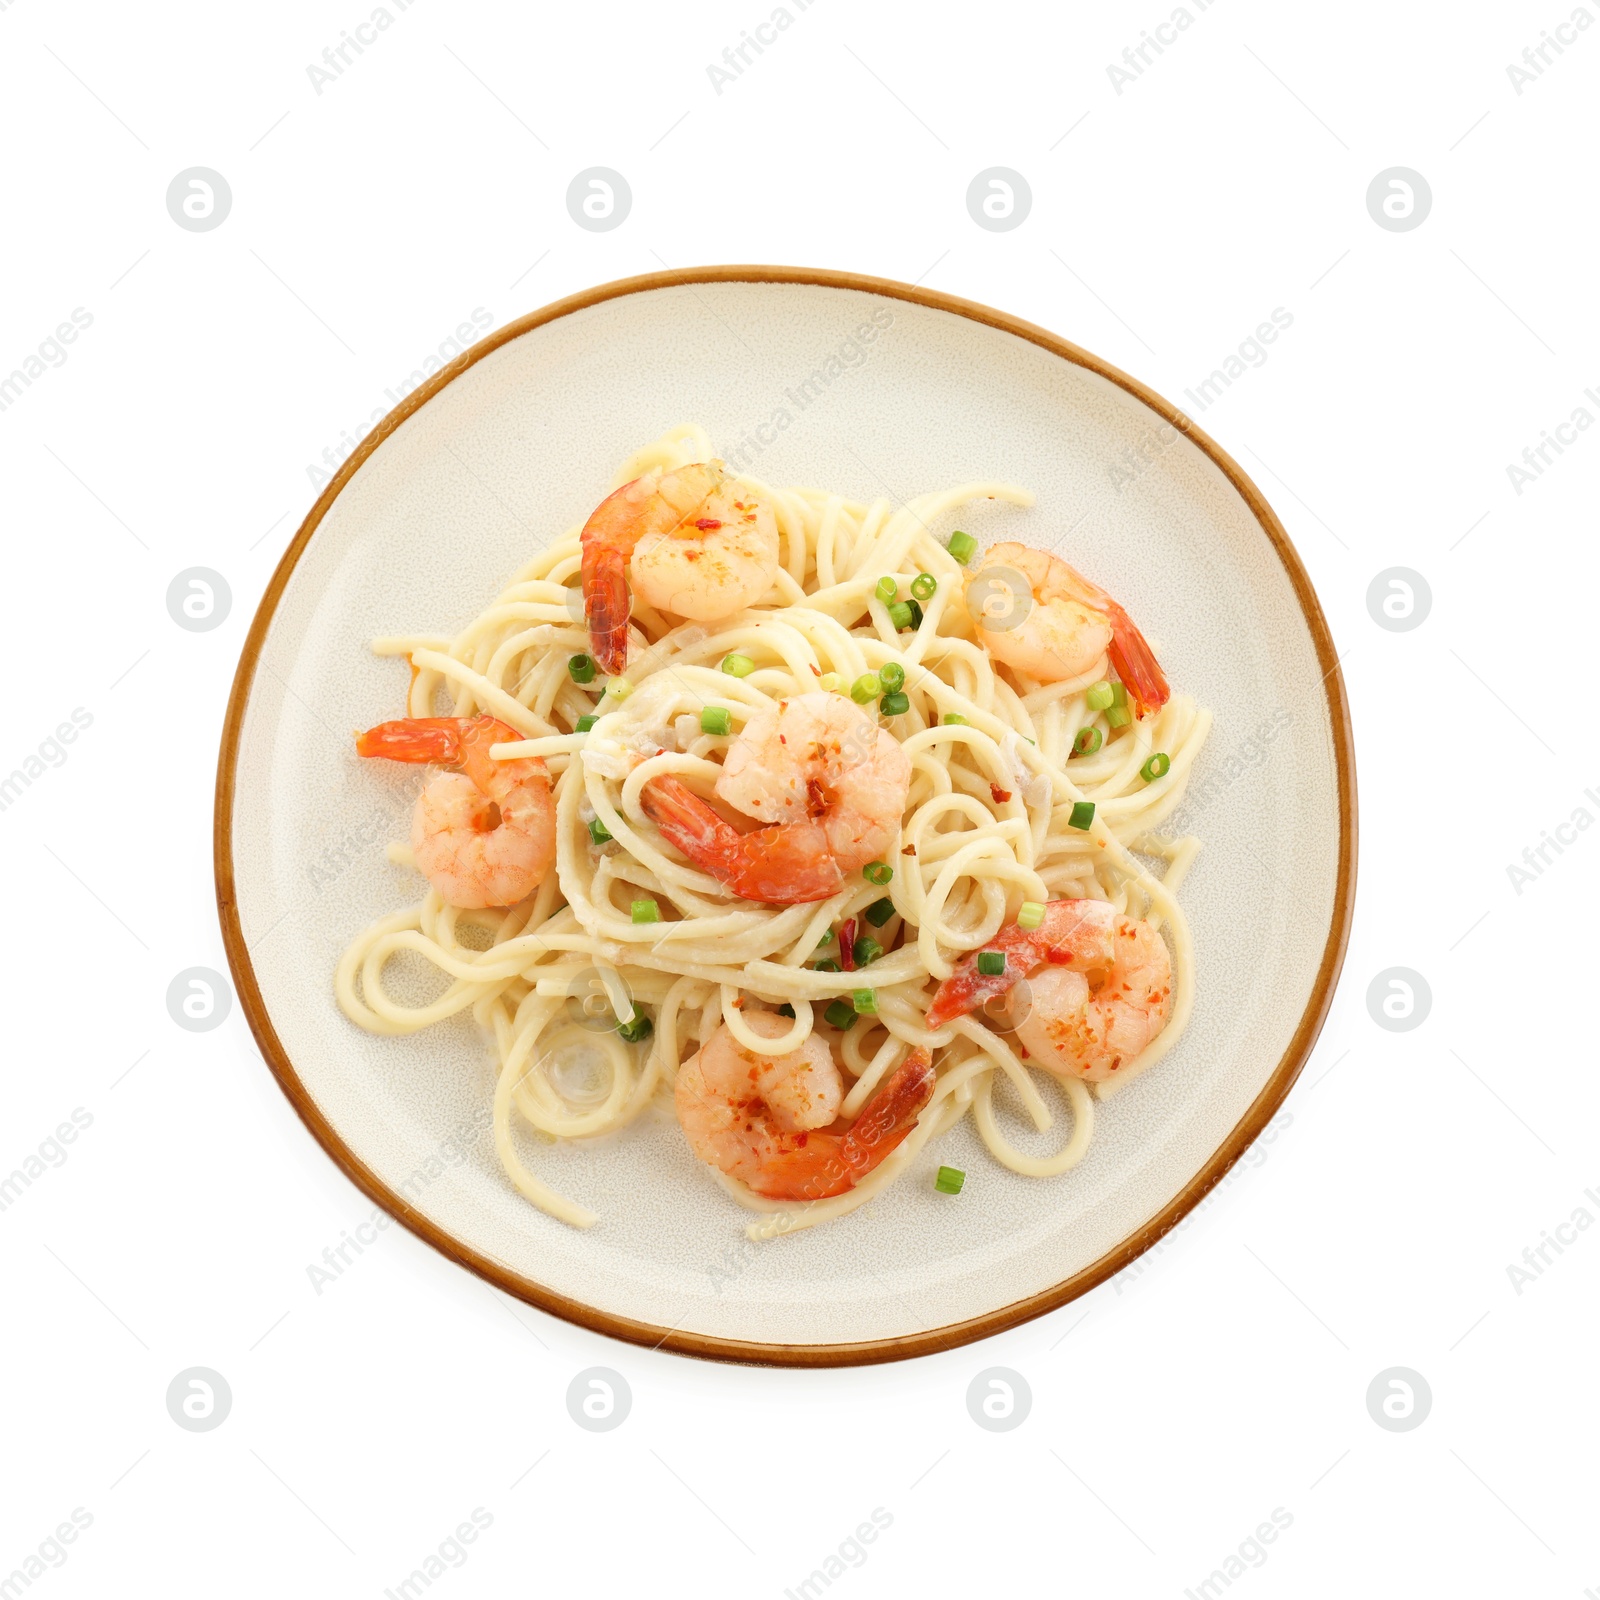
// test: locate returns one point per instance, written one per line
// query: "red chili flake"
(847, 944)
(706, 524)
(908, 850)
(738, 1002)
(1000, 795)
(816, 672)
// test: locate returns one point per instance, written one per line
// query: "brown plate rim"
(647, 1334)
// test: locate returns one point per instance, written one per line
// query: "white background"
(1173, 1410)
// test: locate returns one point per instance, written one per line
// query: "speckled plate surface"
(518, 440)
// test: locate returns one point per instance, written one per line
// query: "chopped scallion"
(586, 723)
(952, 719)
(716, 719)
(1100, 695)
(948, 1180)
(1158, 766)
(963, 546)
(887, 589)
(878, 872)
(599, 832)
(1088, 741)
(1082, 817)
(991, 964)
(840, 1014)
(581, 668)
(895, 705)
(830, 683)
(829, 965)
(637, 1030)
(865, 1002)
(879, 911)
(867, 687)
(924, 587)
(866, 950)
(646, 911)
(1030, 914)
(1118, 717)
(900, 614)
(738, 666)
(892, 675)
(619, 688)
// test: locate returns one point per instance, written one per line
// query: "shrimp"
(701, 546)
(1103, 997)
(817, 767)
(772, 1123)
(1068, 627)
(483, 836)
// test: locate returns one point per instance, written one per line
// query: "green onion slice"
(879, 911)
(1088, 741)
(924, 587)
(638, 1030)
(716, 719)
(646, 911)
(1082, 817)
(878, 872)
(963, 546)
(1158, 766)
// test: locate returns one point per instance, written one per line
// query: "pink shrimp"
(1104, 995)
(817, 767)
(772, 1122)
(696, 544)
(483, 836)
(1069, 625)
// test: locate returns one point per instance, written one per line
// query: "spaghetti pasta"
(993, 819)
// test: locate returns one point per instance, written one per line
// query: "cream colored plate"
(519, 443)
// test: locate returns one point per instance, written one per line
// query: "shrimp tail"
(775, 866)
(687, 821)
(1053, 940)
(446, 741)
(1135, 661)
(820, 1166)
(607, 605)
(417, 739)
(890, 1114)
(608, 541)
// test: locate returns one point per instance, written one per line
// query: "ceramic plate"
(516, 441)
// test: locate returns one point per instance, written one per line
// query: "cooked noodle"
(965, 860)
